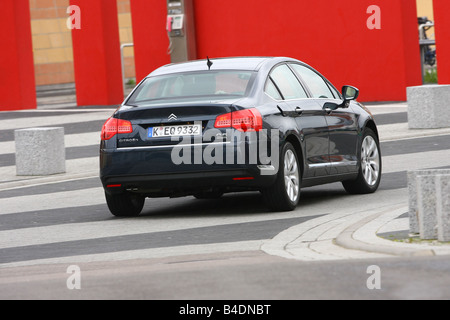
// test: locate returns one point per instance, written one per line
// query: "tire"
(125, 204)
(284, 194)
(369, 175)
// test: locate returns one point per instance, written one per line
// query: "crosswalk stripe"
(400, 131)
(102, 231)
(403, 162)
(87, 166)
(70, 140)
(115, 228)
(251, 245)
(29, 203)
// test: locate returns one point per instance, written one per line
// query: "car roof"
(232, 63)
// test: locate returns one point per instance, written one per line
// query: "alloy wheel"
(370, 160)
(291, 176)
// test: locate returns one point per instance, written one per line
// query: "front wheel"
(125, 204)
(369, 175)
(284, 194)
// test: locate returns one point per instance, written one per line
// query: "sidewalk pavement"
(379, 233)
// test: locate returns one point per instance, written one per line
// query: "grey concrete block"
(40, 151)
(443, 206)
(413, 192)
(428, 106)
(426, 206)
(412, 202)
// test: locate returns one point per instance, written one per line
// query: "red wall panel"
(330, 35)
(96, 51)
(17, 82)
(442, 34)
(149, 35)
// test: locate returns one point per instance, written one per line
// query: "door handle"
(299, 110)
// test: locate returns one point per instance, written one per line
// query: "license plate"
(174, 131)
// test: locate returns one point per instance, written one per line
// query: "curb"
(356, 239)
(347, 240)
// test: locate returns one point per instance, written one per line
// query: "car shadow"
(241, 203)
(228, 204)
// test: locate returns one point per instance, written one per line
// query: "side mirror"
(349, 93)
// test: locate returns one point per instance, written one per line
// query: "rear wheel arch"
(284, 193)
(295, 141)
(360, 185)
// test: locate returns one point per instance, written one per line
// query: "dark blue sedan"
(204, 128)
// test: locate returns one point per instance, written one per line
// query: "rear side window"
(316, 84)
(271, 90)
(288, 83)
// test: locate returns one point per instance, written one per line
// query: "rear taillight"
(242, 120)
(114, 126)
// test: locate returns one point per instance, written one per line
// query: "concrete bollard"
(426, 106)
(443, 207)
(412, 201)
(413, 194)
(40, 151)
(426, 206)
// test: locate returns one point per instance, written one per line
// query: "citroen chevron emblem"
(172, 117)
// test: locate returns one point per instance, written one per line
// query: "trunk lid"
(155, 124)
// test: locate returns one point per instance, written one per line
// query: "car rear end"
(176, 144)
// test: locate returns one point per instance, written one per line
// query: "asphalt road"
(186, 248)
(249, 275)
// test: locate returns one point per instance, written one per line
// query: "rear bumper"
(154, 174)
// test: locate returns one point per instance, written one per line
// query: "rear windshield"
(208, 83)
